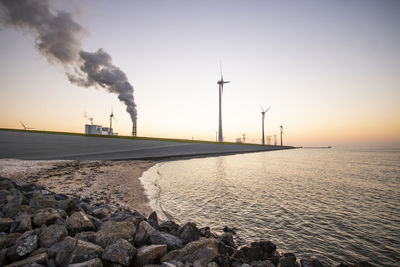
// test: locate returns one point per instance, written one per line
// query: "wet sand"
(115, 183)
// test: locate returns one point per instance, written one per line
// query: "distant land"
(46, 145)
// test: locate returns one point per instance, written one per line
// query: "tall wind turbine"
(221, 89)
(111, 118)
(281, 134)
(263, 118)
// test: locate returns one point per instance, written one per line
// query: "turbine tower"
(263, 117)
(111, 117)
(281, 134)
(221, 89)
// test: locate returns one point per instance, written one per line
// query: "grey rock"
(311, 262)
(170, 227)
(52, 234)
(90, 263)
(100, 212)
(36, 260)
(24, 245)
(53, 250)
(13, 206)
(5, 224)
(85, 251)
(21, 224)
(46, 216)
(3, 254)
(143, 233)
(120, 216)
(265, 263)
(89, 236)
(111, 231)
(171, 241)
(64, 252)
(203, 250)
(6, 184)
(227, 239)
(120, 252)
(40, 201)
(150, 254)
(11, 239)
(153, 220)
(70, 206)
(79, 222)
(189, 233)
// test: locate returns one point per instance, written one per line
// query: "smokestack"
(57, 37)
(134, 128)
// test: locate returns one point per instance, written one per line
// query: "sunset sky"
(329, 70)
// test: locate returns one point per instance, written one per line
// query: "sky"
(329, 70)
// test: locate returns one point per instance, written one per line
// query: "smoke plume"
(57, 37)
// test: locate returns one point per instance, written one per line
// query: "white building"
(98, 129)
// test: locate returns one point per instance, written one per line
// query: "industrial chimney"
(134, 128)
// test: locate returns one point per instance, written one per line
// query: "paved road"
(41, 146)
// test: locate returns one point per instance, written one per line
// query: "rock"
(206, 232)
(85, 251)
(40, 201)
(71, 206)
(5, 224)
(53, 250)
(311, 262)
(229, 230)
(46, 216)
(288, 260)
(24, 245)
(111, 231)
(203, 250)
(13, 205)
(120, 252)
(120, 216)
(170, 227)
(36, 260)
(261, 264)
(189, 233)
(143, 233)
(3, 254)
(6, 183)
(159, 238)
(100, 212)
(227, 239)
(153, 220)
(89, 236)
(52, 234)
(11, 239)
(150, 254)
(21, 224)
(212, 264)
(79, 222)
(91, 263)
(73, 250)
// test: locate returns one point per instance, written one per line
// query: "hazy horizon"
(330, 71)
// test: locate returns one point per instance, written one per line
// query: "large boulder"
(14, 203)
(227, 239)
(73, 250)
(189, 233)
(170, 227)
(310, 262)
(150, 254)
(89, 236)
(121, 252)
(288, 259)
(24, 245)
(70, 206)
(111, 231)
(40, 201)
(46, 216)
(52, 234)
(153, 220)
(21, 224)
(122, 215)
(5, 224)
(143, 233)
(36, 260)
(258, 251)
(161, 238)
(79, 222)
(202, 252)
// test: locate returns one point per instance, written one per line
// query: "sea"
(339, 204)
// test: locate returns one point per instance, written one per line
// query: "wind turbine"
(263, 118)
(25, 128)
(281, 134)
(221, 89)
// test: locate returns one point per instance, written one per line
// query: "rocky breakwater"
(41, 228)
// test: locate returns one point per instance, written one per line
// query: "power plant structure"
(263, 119)
(98, 129)
(134, 128)
(221, 89)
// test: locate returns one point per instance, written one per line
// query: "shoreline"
(115, 183)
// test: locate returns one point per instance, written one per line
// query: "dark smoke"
(57, 37)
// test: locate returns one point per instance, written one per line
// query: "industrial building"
(98, 129)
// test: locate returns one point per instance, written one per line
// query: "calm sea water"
(339, 204)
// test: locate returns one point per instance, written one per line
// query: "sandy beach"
(115, 183)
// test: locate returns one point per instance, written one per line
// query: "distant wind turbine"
(221, 89)
(263, 118)
(281, 134)
(25, 128)
(111, 118)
